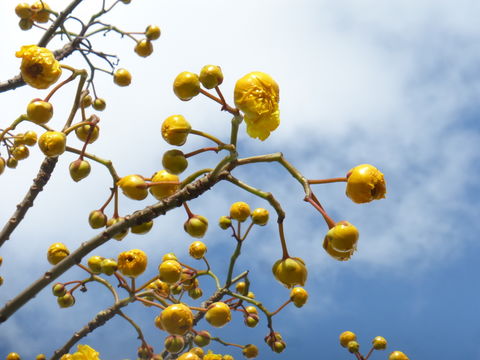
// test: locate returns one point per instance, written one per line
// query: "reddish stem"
(327, 181)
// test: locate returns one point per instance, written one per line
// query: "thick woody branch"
(189, 192)
(39, 182)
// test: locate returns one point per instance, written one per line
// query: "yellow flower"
(257, 95)
(211, 356)
(132, 263)
(39, 67)
(84, 352)
(290, 271)
(365, 183)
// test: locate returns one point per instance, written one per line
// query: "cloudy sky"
(395, 84)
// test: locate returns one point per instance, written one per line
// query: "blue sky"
(395, 84)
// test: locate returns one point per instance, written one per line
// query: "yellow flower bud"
(163, 190)
(25, 24)
(174, 161)
(40, 357)
(23, 11)
(79, 169)
(39, 67)
(122, 77)
(240, 211)
(40, 11)
(39, 111)
(290, 271)
(142, 228)
(202, 338)
(66, 300)
(87, 101)
(170, 271)
(169, 256)
(121, 234)
(251, 310)
(133, 186)
(152, 32)
(186, 85)
(177, 319)
(52, 143)
(108, 266)
(174, 343)
(12, 163)
(30, 138)
(241, 288)
(211, 76)
(144, 48)
(97, 219)
(260, 216)
(188, 356)
(353, 347)
(342, 237)
(95, 264)
(218, 314)
(398, 355)
(2, 165)
(224, 222)
(83, 131)
(337, 255)
(175, 130)
(365, 183)
(196, 226)
(346, 337)
(56, 253)
(132, 263)
(99, 104)
(250, 351)
(20, 152)
(197, 250)
(13, 356)
(299, 296)
(257, 96)
(379, 343)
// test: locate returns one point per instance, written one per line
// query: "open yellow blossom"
(39, 67)
(257, 96)
(132, 263)
(84, 352)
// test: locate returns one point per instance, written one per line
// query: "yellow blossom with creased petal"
(39, 67)
(132, 263)
(84, 352)
(211, 356)
(365, 183)
(257, 96)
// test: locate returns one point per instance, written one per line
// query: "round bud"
(142, 228)
(87, 101)
(177, 319)
(224, 222)
(353, 346)
(40, 12)
(241, 288)
(174, 161)
(83, 131)
(58, 289)
(52, 143)
(97, 219)
(342, 237)
(290, 271)
(379, 343)
(346, 337)
(250, 351)
(40, 357)
(121, 234)
(25, 24)
(169, 256)
(365, 183)
(239, 211)
(132, 263)
(196, 226)
(218, 314)
(186, 85)
(99, 104)
(13, 356)
(133, 186)
(166, 184)
(12, 163)
(56, 253)
(197, 250)
(174, 343)
(397, 355)
(251, 320)
(122, 77)
(20, 152)
(66, 300)
(79, 169)
(170, 271)
(211, 76)
(251, 295)
(3, 163)
(108, 266)
(202, 338)
(251, 309)
(299, 296)
(39, 111)
(30, 138)
(260, 216)
(176, 289)
(175, 130)
(144, 48)
(195, 293)
(23, 11)
(95, 263)
(152, 32)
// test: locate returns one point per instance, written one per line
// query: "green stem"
(14, 124)
(107, 163)
(233, 259)
(208, 136)
(194, 176)
(236, 121)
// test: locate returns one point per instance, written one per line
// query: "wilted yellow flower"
(132, 263)
(39, 67)
(365, 183)
(257, 96)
